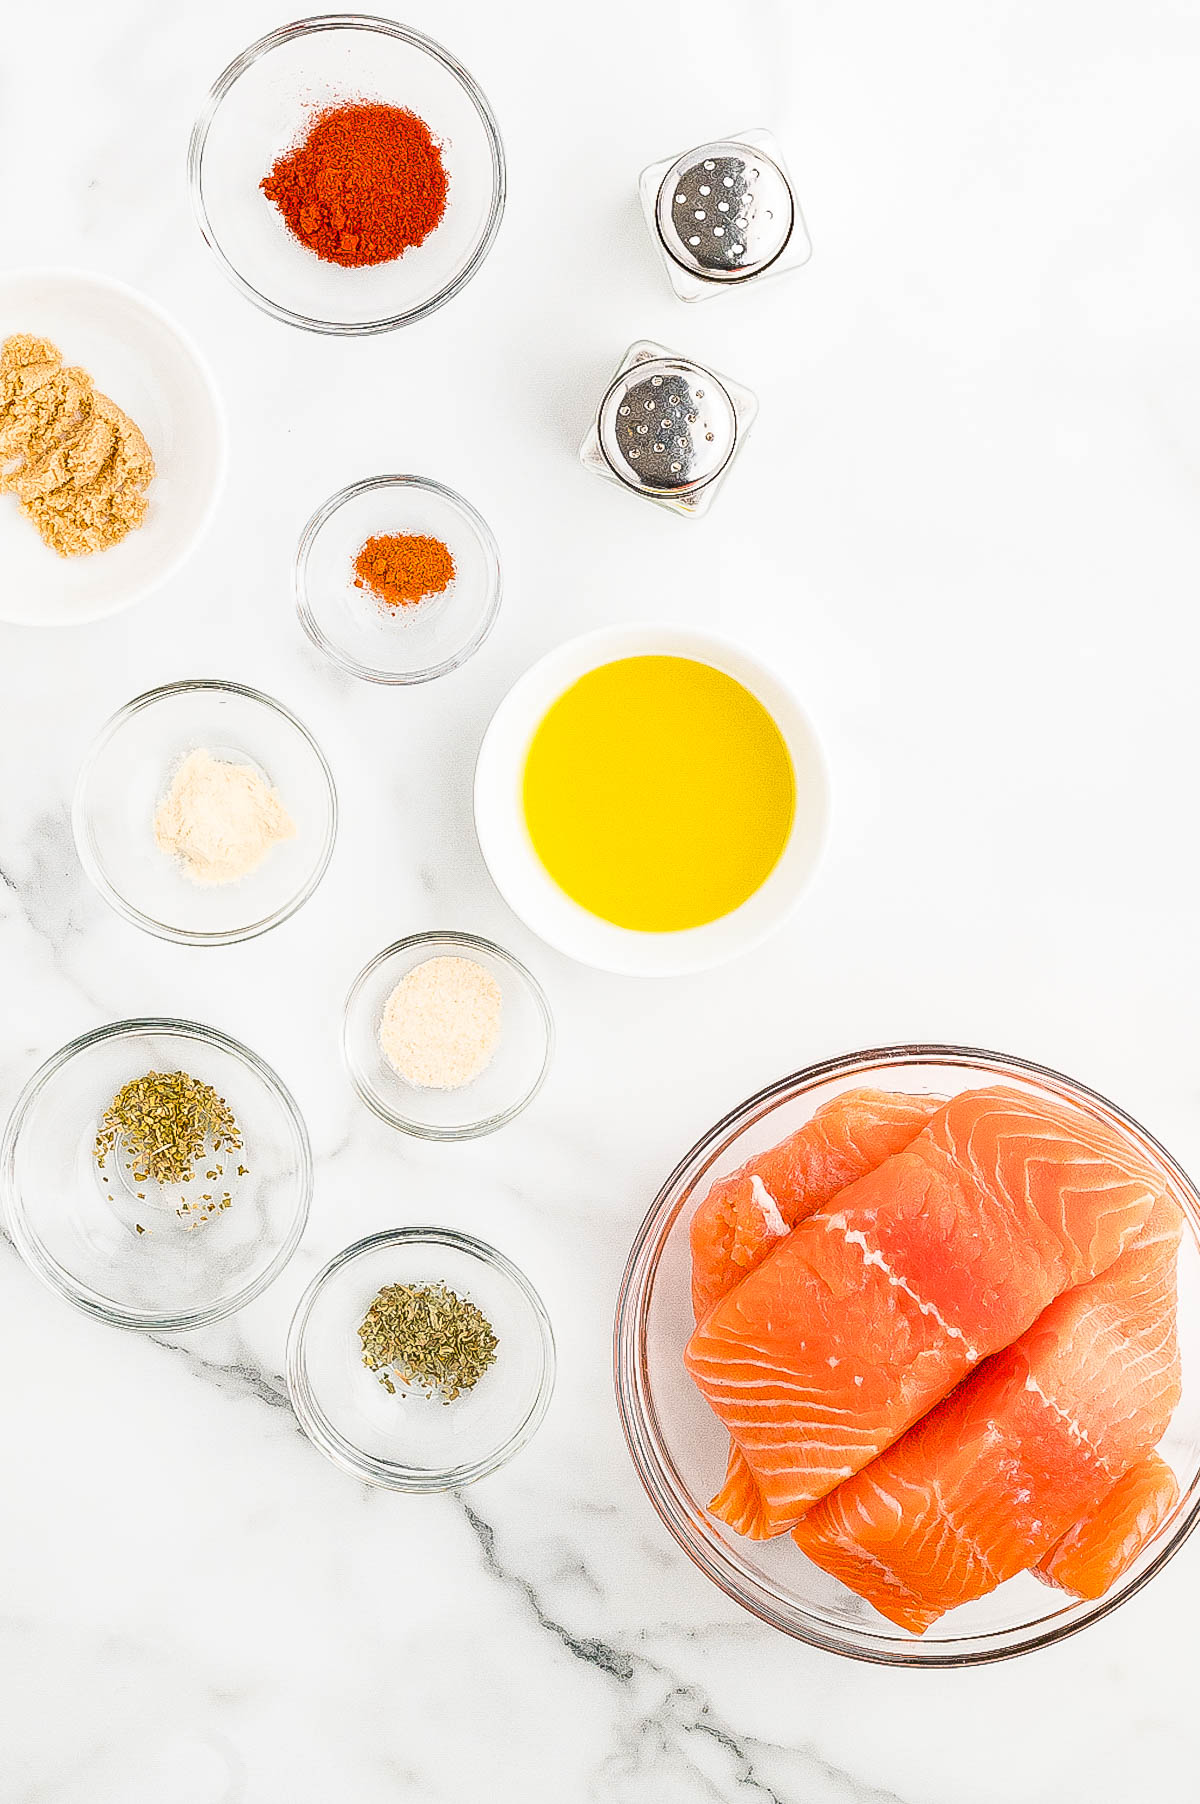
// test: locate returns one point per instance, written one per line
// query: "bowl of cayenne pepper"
(348, 174)
(397, 579)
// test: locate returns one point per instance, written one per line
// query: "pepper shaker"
(724, 214)
(668, 428)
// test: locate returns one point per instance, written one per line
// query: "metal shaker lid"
(667, 427)
(725, 211)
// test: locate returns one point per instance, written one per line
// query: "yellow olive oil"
(658, 793)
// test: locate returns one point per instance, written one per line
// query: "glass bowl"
(77, 1227)
(502, 1090)
(679, 1447)
(255, 112)
(128, 771)
(364, 635)
(406, 1440)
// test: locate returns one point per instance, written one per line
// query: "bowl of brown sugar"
(397, 579)
(112, 446)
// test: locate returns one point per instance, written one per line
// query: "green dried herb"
(167, 1124)
(425, 1334)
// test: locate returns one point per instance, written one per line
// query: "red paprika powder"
(364, 184)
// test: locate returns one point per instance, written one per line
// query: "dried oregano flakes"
(426, 1335)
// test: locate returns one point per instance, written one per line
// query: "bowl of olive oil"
(651, 800)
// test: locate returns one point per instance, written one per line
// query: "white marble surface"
(966, 527)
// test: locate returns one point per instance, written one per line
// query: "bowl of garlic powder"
(205, 812)
(447, 1036)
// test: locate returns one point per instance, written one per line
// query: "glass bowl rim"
(310, 27)
(488, 1124)
(646, 1446)
(390, 1474)
(55, 1276)
(336, 653)
(81, 825)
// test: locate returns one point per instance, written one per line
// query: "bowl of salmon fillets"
(905, 1353)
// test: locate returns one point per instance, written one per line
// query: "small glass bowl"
(406, 1440)
(258, 108)
(680, 1449)
(128, 772)
(357, 630)
(510, 1082)
(76, 1226)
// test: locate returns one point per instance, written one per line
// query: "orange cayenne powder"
(402, 568)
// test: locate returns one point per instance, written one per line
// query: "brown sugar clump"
(77, 463)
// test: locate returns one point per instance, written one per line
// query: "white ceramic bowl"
(141, 359)
(524, 881)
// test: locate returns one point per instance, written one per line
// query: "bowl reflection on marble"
(77, 1227)
(405, 1440)
(129, 770)
(680, 1448)
(259, 106)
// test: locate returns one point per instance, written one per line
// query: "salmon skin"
(1092, 1555)
(986, 1484)
(745, 1215)
(875, 1307)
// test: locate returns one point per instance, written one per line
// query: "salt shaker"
(668, 428)
(724, 214)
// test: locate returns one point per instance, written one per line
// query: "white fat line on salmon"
(768, 1207)
(855, 1237)
(844, 1542)
(1073, 1427)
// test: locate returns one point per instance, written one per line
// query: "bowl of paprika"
(348, 174)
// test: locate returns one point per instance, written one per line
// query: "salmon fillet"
(1093, 1554)
(869, 1312)
(745, 1215)
(986, 1484)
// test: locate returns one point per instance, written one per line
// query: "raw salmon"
(1093, 1555)
(874, 1308)
(990, 1480)
(744, 1215)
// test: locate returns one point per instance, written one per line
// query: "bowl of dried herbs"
(156, 1173)
(420, 1359)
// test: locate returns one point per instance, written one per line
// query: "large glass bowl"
(679, 1447)
(116, 1247)
(258, 108)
